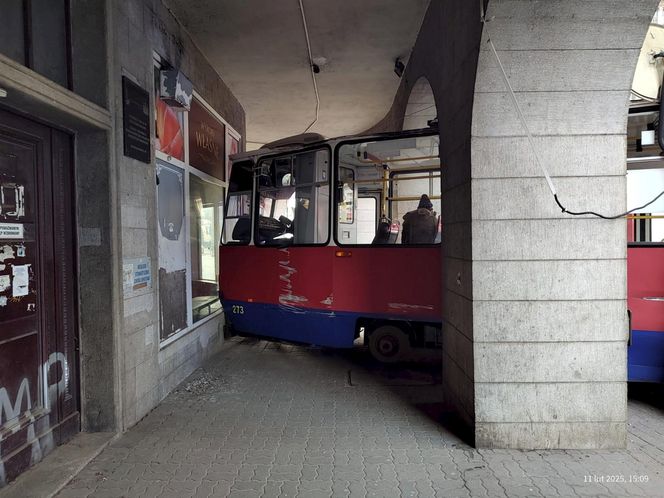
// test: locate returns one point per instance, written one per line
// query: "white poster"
(11, 230)
(5, 282)
(21, 280)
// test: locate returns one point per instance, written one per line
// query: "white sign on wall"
(11, 230)
(136, 275)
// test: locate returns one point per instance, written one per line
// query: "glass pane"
(346, 207)
(172, 244)
(12, 34)
(237, 222)
(643, 185)
(397, 173)
(294, 200)
(169, 125)
(206, 215)
(49, 39)
(366, 219)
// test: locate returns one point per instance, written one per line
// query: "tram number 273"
(238, 310)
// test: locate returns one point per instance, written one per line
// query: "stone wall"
(534, 316)
(549, 290)
(148, 372)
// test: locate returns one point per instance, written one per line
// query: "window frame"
(256, 194)
(159, 62)
(352, 218)
(27, 29)
(635, 161)
(335, 199)
(227, 200)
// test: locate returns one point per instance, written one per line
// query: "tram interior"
(645, 175)
(381, 181)
(378, 182)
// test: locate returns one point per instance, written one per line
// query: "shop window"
(191, 151)
(205, 218)
(169, 125)
(172, 249)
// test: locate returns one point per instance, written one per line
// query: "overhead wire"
(311, 67)
(531, 141)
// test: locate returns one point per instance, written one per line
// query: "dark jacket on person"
(419, 227)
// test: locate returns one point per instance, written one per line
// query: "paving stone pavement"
(267, 419)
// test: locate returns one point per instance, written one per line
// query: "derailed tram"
(325, 241)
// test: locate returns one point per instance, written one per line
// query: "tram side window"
(380, 189)
(237, 221)
(293, 200)
(642, 186)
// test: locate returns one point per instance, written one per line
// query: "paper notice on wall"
(3, 301)
(6, 253)
(136, 275)
(21, 283)
(5, 282)
(11, 230)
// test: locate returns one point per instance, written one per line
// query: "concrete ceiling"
(259, 49)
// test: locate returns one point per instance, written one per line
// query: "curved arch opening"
(421, 108)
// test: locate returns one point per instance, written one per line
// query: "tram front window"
(293, 200)
(237, 220)
(392, 176)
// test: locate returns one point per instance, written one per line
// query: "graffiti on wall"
(18, 412)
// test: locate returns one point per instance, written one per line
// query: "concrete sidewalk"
(271, 420)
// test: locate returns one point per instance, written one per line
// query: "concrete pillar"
(548, 290)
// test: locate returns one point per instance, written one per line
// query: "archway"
(421, 107)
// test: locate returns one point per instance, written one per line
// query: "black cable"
(644, 97)
(573, 213)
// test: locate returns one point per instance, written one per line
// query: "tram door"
(38, 380)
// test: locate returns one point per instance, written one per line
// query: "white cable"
(516, 104)
(311, 66)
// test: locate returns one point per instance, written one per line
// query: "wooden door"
(38, 359)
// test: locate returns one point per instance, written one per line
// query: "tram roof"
(297, 142)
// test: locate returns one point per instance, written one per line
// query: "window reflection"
(206, 214)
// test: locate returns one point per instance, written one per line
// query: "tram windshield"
(389, 192)
(294, 199)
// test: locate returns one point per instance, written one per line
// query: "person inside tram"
(420, 226)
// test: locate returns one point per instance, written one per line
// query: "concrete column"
(548, 290)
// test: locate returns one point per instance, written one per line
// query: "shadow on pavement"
(649, 394)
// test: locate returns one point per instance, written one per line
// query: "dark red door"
(38, 361)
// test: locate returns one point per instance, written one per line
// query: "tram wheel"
(389, 344)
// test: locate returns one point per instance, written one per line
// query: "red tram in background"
(311, 249)
(645, 253)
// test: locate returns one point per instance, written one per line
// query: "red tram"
(645, 274)
(313, 247)
(645, 234)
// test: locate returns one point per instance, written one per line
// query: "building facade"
(111, 203)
